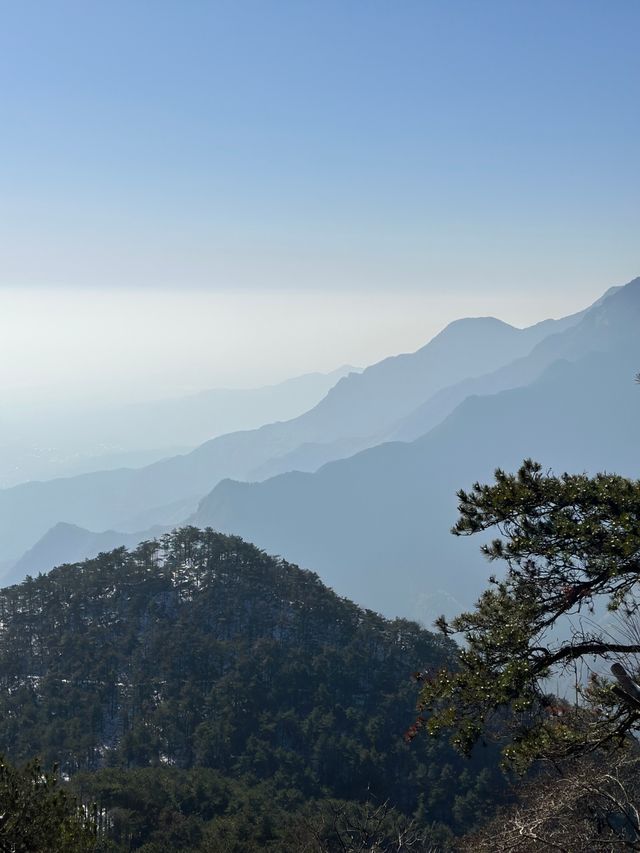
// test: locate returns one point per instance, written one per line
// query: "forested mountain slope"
(351, 417)
(376, 525)
(202, 651)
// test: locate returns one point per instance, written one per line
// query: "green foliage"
(200, 652)
(160, 810)
(571, 545)
(36, 814)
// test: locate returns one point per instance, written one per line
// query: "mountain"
(39, 442)
(201, 653)
(353, 415)
(308, 456)
(68, 543)
(376, 525)
(591, 333)
(199, 417)
(385, 392)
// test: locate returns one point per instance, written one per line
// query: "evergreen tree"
(571, 549)
(36, 814)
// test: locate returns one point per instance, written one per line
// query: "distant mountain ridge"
(69, 543)
(354, 415)
(585, 336)
(397, 500)
(388, 390)
(51, 441)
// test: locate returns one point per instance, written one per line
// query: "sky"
(227, 193)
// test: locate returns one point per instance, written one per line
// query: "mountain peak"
(468, 326)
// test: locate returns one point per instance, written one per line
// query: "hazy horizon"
(120, 345)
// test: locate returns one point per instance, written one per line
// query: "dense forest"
(196, 693)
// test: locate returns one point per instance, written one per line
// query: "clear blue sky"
(366, 146)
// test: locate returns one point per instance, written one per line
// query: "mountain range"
(378, 459)
(48, 440)
(399, 498)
